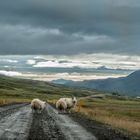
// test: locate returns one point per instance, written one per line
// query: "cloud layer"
(69, 27)
(10, 73)
(73, 67)
(89, 61)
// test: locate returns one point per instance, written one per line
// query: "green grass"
(27, 89)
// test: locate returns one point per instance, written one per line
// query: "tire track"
(44, 127)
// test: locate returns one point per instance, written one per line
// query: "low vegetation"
(22, 90)
(118, 112)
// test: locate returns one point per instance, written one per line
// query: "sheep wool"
(37, 105)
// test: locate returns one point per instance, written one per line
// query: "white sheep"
(61, 105)
(37, 105)
(66, 104)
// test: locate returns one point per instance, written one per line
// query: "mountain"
(129, 85)
(62, 81)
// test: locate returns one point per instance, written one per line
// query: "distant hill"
(129, 85)
(22, 88)
(62, 81)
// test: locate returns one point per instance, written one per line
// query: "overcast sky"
(69, 26)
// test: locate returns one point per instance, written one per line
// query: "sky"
(69, 27)
(88, 30)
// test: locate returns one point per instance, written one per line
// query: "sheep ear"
(72, 96)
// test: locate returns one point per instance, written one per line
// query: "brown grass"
(112, 114)
(4, 101)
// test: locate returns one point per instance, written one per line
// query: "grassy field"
(118, 112)
(21, 90)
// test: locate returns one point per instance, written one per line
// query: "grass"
(119, 112)
(4, 101)
(123, 114)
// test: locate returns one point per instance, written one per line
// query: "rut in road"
(44, 127)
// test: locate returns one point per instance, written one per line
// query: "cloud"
(128, 3)
(31, 62)
(69, 27)
(67, 76)
(8, 60)
(66, 64)
(71, 67)
(89, 61)
(93, 38)
(10, 73)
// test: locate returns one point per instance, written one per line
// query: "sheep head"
(74, 100)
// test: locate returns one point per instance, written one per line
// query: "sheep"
(66, 104)
(61, 105)
(37, 105)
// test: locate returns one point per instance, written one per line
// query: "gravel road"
(17, 122)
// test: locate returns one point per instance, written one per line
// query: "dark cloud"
(69, 27)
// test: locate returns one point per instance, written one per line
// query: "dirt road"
(17, 122)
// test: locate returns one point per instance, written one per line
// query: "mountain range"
(129, 85)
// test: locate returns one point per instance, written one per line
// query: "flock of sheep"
(63, 104)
